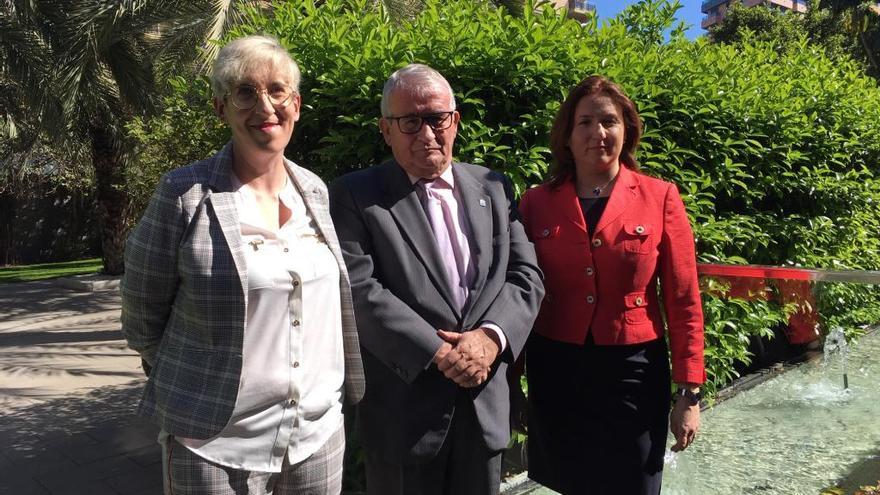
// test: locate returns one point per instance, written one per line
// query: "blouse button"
(296, 283)
(591, 299)
(589, 271)
(286, 250)
(545, 232)
(296, 323)
(639, 301)
(640, 229)
(296, 364)
(597, 242)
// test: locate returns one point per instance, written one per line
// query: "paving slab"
(146, 456)
(80, 488)
(69, 387)
(136, 481)
(22, 486)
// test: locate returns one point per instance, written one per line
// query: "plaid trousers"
(185, 473)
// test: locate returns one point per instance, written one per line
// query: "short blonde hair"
(244, 55)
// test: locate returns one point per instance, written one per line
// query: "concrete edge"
(88, 283)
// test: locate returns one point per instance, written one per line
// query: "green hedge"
(775, 154)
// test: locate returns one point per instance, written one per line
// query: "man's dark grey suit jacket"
(401, 298)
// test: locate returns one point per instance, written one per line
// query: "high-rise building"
(715, 10)
(579, 9)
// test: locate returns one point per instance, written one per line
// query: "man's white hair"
(248, 54)
(417, 80)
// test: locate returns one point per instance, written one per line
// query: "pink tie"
(442, 210)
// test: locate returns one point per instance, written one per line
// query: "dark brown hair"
(563, 168)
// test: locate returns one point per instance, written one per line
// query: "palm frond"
(23, 58)
(132, 71)
(400, 10)
(226, 14)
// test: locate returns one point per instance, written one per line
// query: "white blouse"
(291, 390)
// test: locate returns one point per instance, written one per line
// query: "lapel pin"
(256, 244)
(482, 202)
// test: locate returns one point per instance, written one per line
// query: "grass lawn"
(43, 271)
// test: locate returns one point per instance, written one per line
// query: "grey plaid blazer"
(184, 296)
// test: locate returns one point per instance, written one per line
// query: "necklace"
(598, 189)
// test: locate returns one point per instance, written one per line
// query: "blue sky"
(689, 13)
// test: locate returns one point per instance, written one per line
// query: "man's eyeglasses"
(411, 124)
(245, 97)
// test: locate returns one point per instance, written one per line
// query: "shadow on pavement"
(89, 444)
(40, 297)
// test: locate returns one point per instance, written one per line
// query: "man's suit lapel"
(406, 208)
(477, 206)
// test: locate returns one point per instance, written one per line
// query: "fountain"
(794, 434)
(836, 342)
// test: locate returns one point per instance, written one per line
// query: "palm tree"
(84, 68)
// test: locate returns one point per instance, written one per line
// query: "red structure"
(793, 285)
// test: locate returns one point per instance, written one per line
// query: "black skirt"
(598, 416)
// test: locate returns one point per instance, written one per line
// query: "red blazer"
(608, 284)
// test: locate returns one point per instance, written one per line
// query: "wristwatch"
(693, 398)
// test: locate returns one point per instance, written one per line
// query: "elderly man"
(446, 288)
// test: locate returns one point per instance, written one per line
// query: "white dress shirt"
(290, 395)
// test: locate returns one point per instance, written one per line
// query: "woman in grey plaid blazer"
(237, 298)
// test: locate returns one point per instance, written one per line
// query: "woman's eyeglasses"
(245, 97)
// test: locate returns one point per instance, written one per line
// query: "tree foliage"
(760, 23)
(842, 28)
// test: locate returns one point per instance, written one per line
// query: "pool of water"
(794, 434)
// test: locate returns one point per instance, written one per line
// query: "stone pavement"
(68, 391)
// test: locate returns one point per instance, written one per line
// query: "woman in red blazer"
(608, 240)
